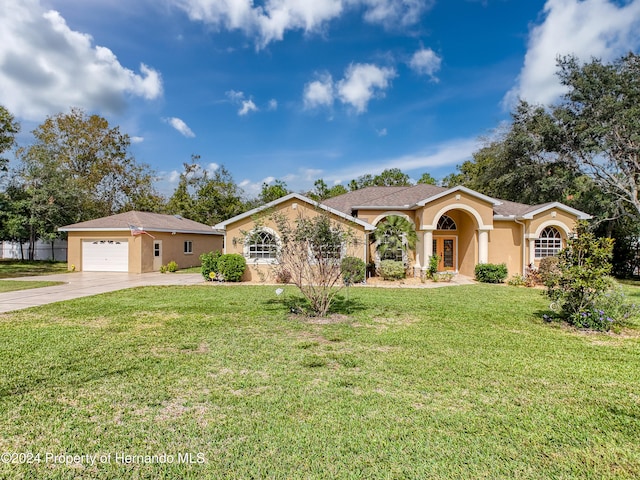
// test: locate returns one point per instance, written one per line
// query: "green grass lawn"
(460, 382)
(12, 285)
(19, 268)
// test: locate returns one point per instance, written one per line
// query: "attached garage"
(104, 255)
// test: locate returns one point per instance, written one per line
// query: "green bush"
(583, 291)
(172, 266)
(209, 262)
(491, 272)
(392, 270)
(353, 270)
(433, 266)
(231, 267)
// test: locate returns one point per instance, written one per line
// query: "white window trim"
(547, 240)
(190, 243)
(260, 261)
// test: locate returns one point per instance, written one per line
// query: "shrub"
(549, 270)
(353, 270)
(517, 280)
(172, 266)
(583, 291)
(282, 275)
(491, 272)
(209, 262)
(163, 269)
(231, 267)
(433, 266)
(392, 269)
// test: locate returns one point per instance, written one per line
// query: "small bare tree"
(310, 253)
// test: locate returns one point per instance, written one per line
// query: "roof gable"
(302, 198)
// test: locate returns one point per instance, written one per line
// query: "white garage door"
(105, 255)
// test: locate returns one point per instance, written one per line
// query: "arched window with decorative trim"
(549, 243)
(446, 223)
(262, 245)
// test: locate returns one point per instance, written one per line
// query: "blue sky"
(299, 89)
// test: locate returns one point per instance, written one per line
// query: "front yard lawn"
(12, 285)
(20, 268)
(461, 382)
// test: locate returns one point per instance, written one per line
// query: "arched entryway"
(459, 237)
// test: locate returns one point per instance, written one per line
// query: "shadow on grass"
(299, 305)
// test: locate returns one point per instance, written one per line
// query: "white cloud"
(392, 13)
(247, 107)
(272, 105)
(136, 139)
(425, 62)
(319, 93)
(361, 83)
(180, 126)
(45, 67)
(586, 29)
(270, 20)
(234, 95)
(382, 132)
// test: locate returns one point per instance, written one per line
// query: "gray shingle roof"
(146, 220)
(407, 197)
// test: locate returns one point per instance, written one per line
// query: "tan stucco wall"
(292, 208)
(173, 248)
(505, 245)
(141, 248)
(448, 202)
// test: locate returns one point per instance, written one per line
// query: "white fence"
(42, 251)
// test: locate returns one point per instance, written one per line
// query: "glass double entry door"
(446, 249)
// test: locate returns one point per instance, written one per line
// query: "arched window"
(549, 243)
(446, 223)
(262, 245)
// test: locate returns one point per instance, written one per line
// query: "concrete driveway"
(84, 284)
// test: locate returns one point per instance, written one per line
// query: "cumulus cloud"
(45, 67)
(586, 29)
(247, 107)
(319, 93)
(425, 62)
(180, 126)
(362, 82)
(271, 19)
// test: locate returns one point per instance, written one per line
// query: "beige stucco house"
(463, 227)
(138, 242)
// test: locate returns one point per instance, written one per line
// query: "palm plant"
(394, 234)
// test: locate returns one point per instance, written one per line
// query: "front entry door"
(157, 255)
(446, 248)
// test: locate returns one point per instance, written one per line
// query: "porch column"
(427, 244)
(532, 251)
(419, 251)
(483, 246)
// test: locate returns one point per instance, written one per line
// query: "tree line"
(583, 151)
